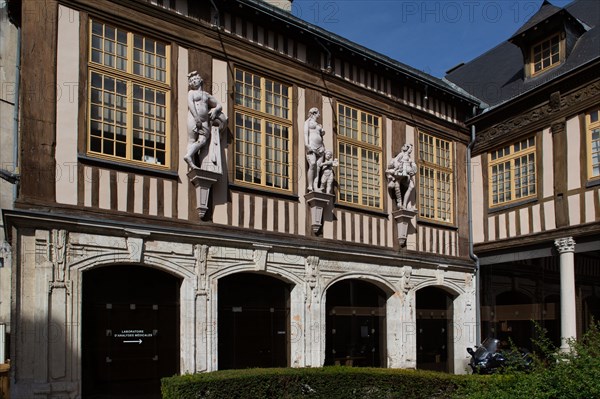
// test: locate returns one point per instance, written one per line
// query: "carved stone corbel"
(202, 181)
(318, 203)
(558, 126)
(403, 218)
(406, 283)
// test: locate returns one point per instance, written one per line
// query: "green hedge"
(326, 383)
(574, 374)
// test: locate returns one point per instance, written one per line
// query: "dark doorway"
(254, 320)
(355, 324)
(130, 335)
(434, 329)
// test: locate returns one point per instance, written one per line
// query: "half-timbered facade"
(129, 265)
(535, 175)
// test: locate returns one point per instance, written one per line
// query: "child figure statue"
(327, 177)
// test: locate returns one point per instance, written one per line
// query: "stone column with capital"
(568, 310)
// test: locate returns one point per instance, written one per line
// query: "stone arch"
(450, 287)
(108, 260)
(271, 271)
(378, 281)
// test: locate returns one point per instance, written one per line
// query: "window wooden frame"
(506, 165)
(592, 124)
(154, 115)
(360, 146)
(555, 58)
(262, 172)
(436, 179)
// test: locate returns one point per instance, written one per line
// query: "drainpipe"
(13, 176)
(329, 67)
(16, 115)
(217, 23)
(471, 252)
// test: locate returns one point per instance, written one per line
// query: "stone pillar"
(409, 331)
(568, 310)
(394, 323)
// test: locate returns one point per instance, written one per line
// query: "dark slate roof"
(498, 75)
(545, 12)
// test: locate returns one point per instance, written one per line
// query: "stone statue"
(400, 174)
(204, 112)
(315, 150)
(327, 175)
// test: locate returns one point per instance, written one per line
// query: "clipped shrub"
(326, 383)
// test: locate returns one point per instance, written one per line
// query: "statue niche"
(320, 173)
(205, 123)
(400, 174)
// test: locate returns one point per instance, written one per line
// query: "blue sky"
(432, 36)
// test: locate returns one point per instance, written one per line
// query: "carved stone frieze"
(312, 275)
(58, 254)
(553, 107)
(201, 256)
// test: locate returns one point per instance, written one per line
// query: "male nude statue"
(203, 111)
(313, 143)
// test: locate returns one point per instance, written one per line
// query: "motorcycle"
(490, 357)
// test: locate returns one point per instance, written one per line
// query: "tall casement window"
(129, 93)
(359, 152)
(593, 140)
(512, 172)
(435, 179)
(263, 131)
(545, 54)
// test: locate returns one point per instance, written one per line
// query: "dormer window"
(546, 54)
(547, 39)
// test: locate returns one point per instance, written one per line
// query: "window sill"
(124, 167)
(437, 224)
(374, 212)
(593, 183)
(501, 208)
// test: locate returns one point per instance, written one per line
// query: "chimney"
(285, 5)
